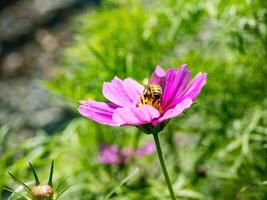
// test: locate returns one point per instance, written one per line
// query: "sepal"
(150, 129)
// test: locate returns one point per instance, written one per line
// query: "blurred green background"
(215, 151)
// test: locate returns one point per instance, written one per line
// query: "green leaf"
(16, 193)
(37, 182)
(50, 181)
(62, 191)
(125, 180)
(190, 194)
(27, 188)
(61, 183)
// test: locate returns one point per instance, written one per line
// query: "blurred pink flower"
(147, 149)
(108, 154)
(127, 107)
(112, 155)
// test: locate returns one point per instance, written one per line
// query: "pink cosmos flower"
(112, 155)
(147, 149)
(108, 154)
(131, 104)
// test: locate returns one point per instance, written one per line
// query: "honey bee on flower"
(151, 96)
(167, 95)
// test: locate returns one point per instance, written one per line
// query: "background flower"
(111, 154)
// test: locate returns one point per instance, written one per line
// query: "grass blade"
(63, 191)
(13, 192)
(37, 182)
(19, 181)
(50, 181)
(125, 180)
(61, 183)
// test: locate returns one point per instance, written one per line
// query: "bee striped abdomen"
(156, 91)
(151, 96)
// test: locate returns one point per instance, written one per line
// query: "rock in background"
(32, 34)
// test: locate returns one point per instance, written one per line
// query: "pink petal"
(109, 154)
(174, 112)
(135, 116)
(147, 149)
(194, 88)
(175, 83)
(158, 76)
(134, 88)
(126, 154)
(123, 93)
(98, 111)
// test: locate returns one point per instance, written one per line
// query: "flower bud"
(202, 171)
(42, 192)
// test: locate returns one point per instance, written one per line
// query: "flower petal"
(194, 88)
(126, 154)
(98, 111)
(147, 149)
(174, 112)
(134, 89)
(158, 76)
(109, 154)
(175, 83)
(123, 93)
(135, 116)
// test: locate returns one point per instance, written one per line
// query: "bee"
(152, 91)
(151, 96)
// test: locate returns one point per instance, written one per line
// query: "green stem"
(163, 166)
